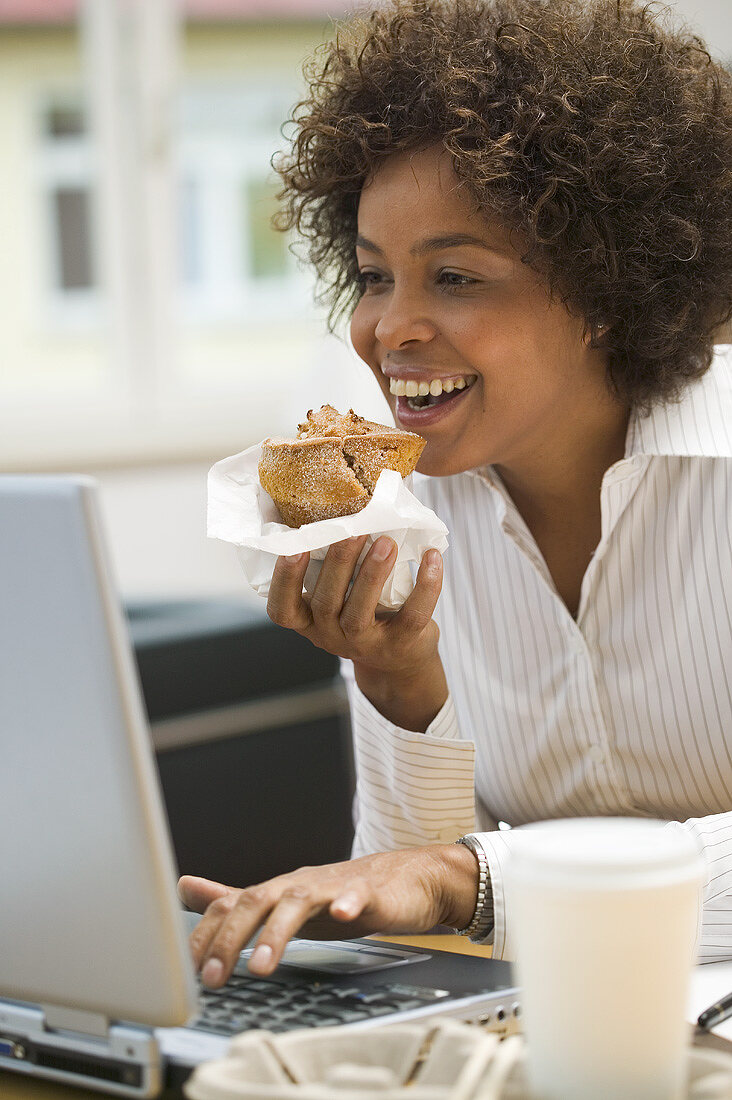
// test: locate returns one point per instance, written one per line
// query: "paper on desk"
(242, 513)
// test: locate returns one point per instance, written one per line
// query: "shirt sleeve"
(411, 788)
(712, 834)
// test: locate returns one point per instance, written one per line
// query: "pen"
(716, 1013)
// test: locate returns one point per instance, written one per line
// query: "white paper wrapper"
(241, 512)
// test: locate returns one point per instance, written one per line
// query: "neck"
(557, 492)
(563, 477)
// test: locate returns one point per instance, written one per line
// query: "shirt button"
(596, 753)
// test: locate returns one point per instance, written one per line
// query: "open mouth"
(422, 395)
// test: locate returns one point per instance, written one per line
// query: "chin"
(434, 464)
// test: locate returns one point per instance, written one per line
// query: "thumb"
(198, 893)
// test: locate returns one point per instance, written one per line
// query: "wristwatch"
(481, 924)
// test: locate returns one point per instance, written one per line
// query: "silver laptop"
(96, 981)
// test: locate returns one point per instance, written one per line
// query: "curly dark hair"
(596, 129)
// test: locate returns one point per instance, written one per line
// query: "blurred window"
(153, 312)
(265, 248)
(68, 244)
(65, 121)
(234, 266)
(232, 263)
(72, 229)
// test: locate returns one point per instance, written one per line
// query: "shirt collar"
(699, 424)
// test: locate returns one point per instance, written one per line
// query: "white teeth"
(401, 388)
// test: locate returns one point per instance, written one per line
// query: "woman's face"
(448, 306)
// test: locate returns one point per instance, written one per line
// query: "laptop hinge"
(58, 1018)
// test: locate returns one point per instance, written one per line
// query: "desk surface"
(15, 1087)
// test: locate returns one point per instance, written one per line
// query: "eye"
(454, 279)
(369, 280)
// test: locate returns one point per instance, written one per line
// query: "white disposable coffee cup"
(604, 914)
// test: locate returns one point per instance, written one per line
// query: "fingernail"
(212, 972)
(261, 957)
(434, 561)
(293, 558)
(382, 548)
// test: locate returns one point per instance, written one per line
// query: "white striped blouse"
(625, 711)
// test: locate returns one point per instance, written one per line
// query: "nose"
(403, 319)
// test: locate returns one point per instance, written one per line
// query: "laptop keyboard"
(246, 1004)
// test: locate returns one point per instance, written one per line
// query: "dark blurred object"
(250, 726)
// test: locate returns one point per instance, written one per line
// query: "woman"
(526, 208)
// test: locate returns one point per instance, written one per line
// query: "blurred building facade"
(243, 348)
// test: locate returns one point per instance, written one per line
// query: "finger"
(285, 605)
(198, 893)
(360, 608)
(295, 906)
(417, 610)
(205, 933)
(326, 602)
(234, 930)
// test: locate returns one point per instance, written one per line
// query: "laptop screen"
(89, 917)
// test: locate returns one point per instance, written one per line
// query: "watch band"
(482, 922)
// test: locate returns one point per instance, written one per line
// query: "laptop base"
(126, 1061)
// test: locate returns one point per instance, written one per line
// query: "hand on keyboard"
(408, 891)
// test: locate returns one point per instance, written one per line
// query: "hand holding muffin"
(331, 469)
(395, 658)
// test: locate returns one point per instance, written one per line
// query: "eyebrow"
(433, 244)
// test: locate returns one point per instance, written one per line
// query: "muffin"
(332, 467)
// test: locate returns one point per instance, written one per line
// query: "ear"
(594, 333)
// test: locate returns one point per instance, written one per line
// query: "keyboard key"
(403, 1004)
(212, 1028)
(417, 992)
(322, 1013)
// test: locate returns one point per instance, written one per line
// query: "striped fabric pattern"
(625, 711)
